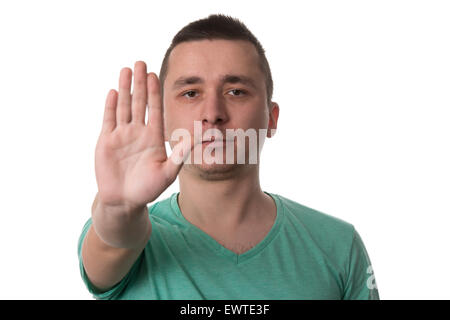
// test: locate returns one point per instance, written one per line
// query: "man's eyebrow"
(232, 78)
(183, 81)
(228, 78)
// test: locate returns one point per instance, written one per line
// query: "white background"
(363, 133)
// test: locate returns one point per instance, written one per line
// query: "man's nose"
(214, 110)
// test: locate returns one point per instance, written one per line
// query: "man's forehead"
(199, 52)
(223, 60)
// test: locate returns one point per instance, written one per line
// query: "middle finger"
(139, 98)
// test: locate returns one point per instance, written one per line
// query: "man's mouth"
(218, 141)
(207, 140)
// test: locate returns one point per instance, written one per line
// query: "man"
(221, 236)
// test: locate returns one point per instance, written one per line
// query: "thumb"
(179, 156)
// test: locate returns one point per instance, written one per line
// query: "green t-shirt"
(306, 255)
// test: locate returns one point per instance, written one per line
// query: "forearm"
(106, 261)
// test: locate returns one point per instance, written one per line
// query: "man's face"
(219, 84)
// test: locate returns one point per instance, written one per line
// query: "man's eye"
(237, 92)
(189, 94)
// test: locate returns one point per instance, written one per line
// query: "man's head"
(219, 27)
(215, 75)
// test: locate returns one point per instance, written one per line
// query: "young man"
(221, 236)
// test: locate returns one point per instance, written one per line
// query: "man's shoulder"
(314, 221)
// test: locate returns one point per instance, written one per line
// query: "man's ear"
(274, 112)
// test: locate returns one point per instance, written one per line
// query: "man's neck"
(225, 206)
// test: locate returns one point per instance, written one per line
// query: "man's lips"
(218, 141)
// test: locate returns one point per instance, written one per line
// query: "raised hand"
(131, 163)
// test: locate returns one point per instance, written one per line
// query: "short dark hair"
(219, 26)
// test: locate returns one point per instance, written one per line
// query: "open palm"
(131, 163)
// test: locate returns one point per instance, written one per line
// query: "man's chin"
(215, 171)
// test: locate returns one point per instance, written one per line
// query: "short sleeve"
(112, 293)
(360, 284)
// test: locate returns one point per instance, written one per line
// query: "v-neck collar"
(221, 250)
